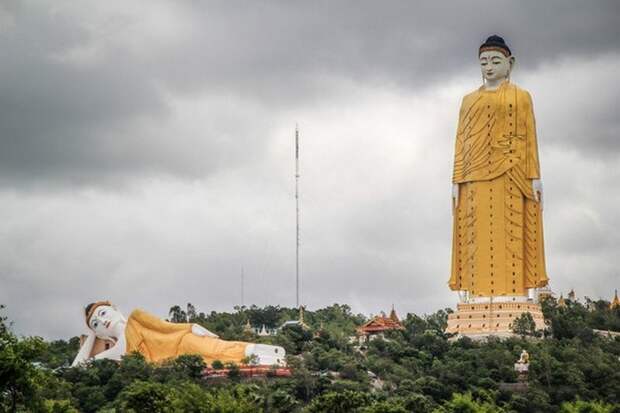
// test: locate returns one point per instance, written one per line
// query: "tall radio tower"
(242, 288)
(297, 215)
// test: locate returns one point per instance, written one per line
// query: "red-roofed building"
(378, 325)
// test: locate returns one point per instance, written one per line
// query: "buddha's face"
(495, 65)
(105, 321)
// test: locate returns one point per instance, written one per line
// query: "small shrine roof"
(379, 324)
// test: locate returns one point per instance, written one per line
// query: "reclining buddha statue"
(159, 340)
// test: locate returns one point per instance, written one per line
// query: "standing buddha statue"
(497, 249)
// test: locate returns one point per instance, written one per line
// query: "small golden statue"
(522, 366)
(525, 358)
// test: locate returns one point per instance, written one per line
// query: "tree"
(418, 403)
(339, 402)
(60, 353)
(386, 406)
(191, 313)
(280, 400)
(571, 320)
(234, 373)
(465, 403)
(141, 396)
(90, 398)
(226, 401)
(3, 327)
(533, 401)
(59, 406)
(524, 325)
(192, 398)
(133, 367)
(581, 406)
(293, 339)
(188, 367)
(177, 315)
(19, 376)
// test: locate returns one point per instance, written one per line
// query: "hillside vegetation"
(415, 370)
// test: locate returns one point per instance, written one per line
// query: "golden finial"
(247, 327)
(615, 303)
(561, 301)
(393, 315)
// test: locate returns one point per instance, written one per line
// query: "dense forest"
(573, 368)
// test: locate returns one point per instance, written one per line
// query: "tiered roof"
(380, 324)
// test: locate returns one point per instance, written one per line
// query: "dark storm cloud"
(77, 88)
(409, 43)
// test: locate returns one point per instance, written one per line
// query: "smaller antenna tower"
(242, 288)
(297, 215)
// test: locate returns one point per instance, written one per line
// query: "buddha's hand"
(537, 186)
(85, 349)
(455, 195)
(200, 331)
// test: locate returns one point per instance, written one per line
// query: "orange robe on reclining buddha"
(159, 340)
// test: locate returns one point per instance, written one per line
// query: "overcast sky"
(146, 150)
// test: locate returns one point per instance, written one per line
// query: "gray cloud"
(79, 82)
(578, 115)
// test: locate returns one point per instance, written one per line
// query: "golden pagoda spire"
(561, 301)
(318, 332)
(615, 303)
(393, 315)
(302, 322)
(247, 327)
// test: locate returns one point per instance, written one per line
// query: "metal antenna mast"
(297, 215)
(242, 288)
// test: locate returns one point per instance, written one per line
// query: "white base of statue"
(490, 316)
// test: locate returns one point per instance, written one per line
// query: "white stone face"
(105, 321)
(495, 66)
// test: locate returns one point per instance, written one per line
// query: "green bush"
(141, 396)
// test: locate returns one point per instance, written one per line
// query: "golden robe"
(497, 246)
(159, 340)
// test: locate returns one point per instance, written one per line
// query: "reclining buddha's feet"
(266, 355)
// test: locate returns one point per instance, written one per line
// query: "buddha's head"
(104, 319)
(496, 59)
